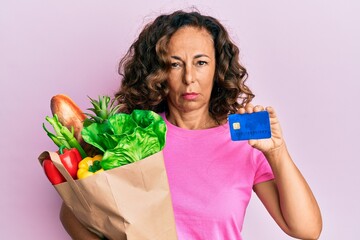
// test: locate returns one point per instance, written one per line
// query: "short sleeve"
(262, 167)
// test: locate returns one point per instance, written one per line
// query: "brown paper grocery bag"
(130, 202)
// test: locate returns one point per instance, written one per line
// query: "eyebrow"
(196, 56)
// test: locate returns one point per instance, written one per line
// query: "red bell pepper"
(70, 158)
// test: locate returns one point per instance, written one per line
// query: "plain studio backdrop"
(302, 58)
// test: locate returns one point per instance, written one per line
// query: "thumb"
(252, 142)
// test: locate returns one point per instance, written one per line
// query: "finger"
(252, 142)
(249, 108)
(271, 111)
(258, 108)
(241, 110)
(272, 115)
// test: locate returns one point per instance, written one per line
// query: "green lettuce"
(126, 138)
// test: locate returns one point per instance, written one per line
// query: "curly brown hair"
(145, 66)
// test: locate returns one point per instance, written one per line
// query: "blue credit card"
(249, 126)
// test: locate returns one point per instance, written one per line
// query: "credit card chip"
(236, 125)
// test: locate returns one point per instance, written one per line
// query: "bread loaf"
(69, 114)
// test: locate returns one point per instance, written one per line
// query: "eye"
(202, 63)
(175, 65)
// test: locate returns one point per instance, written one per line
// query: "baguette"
(69, 114)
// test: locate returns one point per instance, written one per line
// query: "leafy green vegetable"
(126, 138)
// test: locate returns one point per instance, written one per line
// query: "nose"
(188, 75)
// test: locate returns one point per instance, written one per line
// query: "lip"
(190, 95)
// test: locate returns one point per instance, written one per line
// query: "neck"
(192, 120)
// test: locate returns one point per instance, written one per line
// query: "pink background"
(302, 56)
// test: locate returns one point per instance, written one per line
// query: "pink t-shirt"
(211, 180)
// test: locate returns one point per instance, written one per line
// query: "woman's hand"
(276, 141)
(74, 227)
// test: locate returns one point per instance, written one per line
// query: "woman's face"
(190, 80)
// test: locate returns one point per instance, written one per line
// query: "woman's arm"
(74, 228)
(288, 198)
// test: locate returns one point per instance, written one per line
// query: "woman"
(185, 67)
